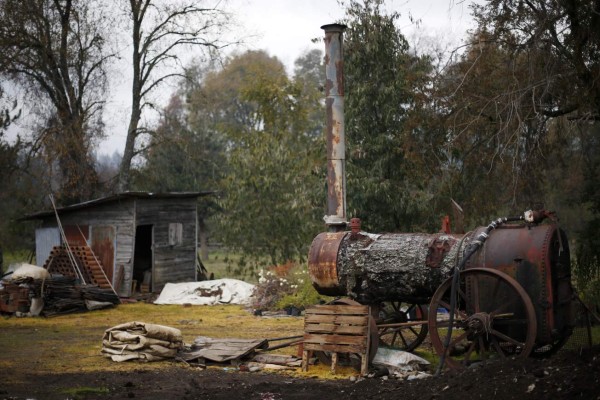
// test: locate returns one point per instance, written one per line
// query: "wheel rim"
(405, 338)
(494, 318)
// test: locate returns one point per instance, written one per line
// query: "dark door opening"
(142, 259)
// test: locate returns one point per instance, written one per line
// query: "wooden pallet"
(59, 262)
(337, 329)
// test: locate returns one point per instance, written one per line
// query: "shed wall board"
(172, 263)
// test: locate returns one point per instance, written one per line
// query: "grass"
(13, 257)
(224, 264)
(72, 343)
(82, 392)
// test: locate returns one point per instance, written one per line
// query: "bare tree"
(159, 31)
(55, 48)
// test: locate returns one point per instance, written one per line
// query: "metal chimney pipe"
(336, 140)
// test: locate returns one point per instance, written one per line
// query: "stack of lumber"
(62, 295)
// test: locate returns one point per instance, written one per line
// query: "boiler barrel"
(372, 268)
(385, 267)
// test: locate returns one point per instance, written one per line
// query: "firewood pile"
(63, 295)
(51, 296)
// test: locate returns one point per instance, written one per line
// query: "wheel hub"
(480, 322)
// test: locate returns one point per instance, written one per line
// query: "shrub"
(283, 286)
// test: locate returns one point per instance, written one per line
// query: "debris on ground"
(221, 350)
(142, 342)
(401, 364)
(31, 291)
(218, 291)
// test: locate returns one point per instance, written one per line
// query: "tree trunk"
(389, 267)
(128, 152)
(136, 100)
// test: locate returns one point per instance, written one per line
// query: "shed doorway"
(143, 259)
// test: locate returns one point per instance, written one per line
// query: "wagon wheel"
(405, 338)
(347, 359)
(494, 318)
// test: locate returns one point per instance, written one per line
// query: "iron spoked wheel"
(350, 359)
(405, 338)
(493, 318)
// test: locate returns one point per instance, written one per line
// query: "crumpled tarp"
(217, 291)
(141, 341)
(221, 350)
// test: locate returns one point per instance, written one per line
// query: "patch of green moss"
(81, 392)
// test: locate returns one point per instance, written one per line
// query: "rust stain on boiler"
(322, 261)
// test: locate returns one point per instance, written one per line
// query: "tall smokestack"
(336, 140)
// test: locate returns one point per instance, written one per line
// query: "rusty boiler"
(410, 267)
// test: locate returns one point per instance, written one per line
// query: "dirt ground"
(567, 375)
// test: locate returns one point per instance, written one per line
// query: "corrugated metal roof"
(116, 197)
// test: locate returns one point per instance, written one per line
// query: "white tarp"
(24, 270)
(218, 291)
(393, 358)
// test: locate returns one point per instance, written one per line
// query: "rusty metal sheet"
(103, 246)
(322, 262)
(77, 235)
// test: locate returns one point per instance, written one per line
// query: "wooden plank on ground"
(221, 350)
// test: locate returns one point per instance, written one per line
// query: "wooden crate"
(337, 329)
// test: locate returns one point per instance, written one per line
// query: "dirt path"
(566, 376)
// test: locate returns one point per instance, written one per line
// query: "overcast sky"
(284, 28)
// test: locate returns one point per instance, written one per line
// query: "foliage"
(271, 188)
(21, 190)
(562, 43)
(179, 157)
(544, 106)
(9, 114)
(305, 295)
(252, 134)
(159, 29)
(56, 51)
(479, 145)
(284, 286)
(382, 83)
(589, 290)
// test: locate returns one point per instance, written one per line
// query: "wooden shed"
(137, 236)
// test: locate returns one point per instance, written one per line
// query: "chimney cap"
(334, 27)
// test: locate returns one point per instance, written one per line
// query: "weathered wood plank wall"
(173, 262)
